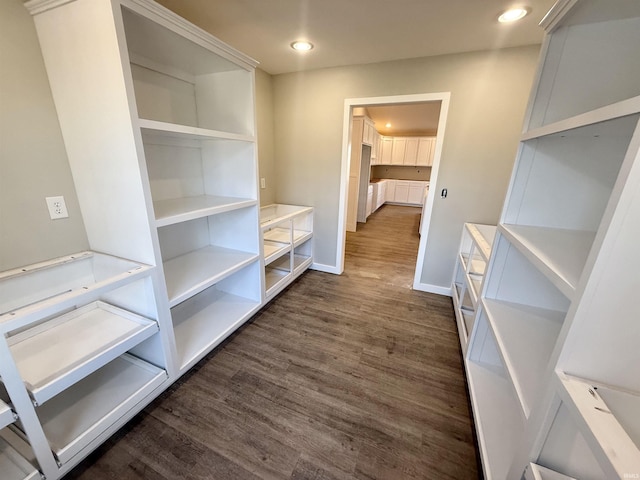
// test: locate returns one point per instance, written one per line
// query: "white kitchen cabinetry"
(407, 151)
(411, 151)
(553, 345)
(471, 264)
(167, 120)
(426, 151)
(390, 195)
(287, 237)
(406, 192)
(386, 148)
(416, 193)
(398, 150)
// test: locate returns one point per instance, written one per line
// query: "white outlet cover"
(57, 207)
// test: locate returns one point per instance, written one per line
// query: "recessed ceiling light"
(513, 14)
(388, 125)
(302, 46)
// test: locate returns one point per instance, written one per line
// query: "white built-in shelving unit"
(158, 119)
(287, 232)
(553, 359)
(471, 264)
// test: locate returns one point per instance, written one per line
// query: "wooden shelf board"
(6, 415)
(498, 420)
(206, 320)
(60, 352)
(276, 213)
(609, 420)
(526, 337)
(13, 466)
(614, 111)
(482, 236)
(177, 210)
(538, 472)
(29, 292)
(559, 254)
(274, 250)
(72, 419)
(189, 132)
(278, 234)
(191, 273)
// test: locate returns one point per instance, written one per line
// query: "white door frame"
(349, 105)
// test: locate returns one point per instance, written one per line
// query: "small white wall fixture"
(349, 105)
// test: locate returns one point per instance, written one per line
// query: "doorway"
(355, 176)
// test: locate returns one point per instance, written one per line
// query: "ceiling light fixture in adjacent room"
(513, 14)
(388, 125)
(302, 46)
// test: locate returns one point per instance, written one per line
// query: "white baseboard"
(320, 267)
(425, 287)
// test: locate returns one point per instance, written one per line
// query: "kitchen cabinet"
(391, 191)
(426, 151)
(399, 146)
(416, 193)
(552, 361)
(386, 147)
(411, 151)
(402, 191)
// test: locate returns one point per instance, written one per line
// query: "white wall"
(489, 92)
(33, 161)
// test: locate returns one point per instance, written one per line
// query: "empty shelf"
(274, 279)
(300, 263)
(62, 351)
(205, 320)
(274, 250)
(278, 234)
(13, 466)
(178, 210)
(273, 214)
(609, 421)
(482, 236)
(537, 472)
(525, 337)
(6, 415)
(559, 254)
(191, 273)
(478, 264)
(81, 413)
(189, 132)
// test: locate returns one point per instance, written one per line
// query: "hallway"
(340, 377)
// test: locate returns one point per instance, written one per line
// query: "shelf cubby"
(174, 75)
(302, 256)
(81, 413)
(206, 319)
(43, 289)
(7, 417)
(57, 353)
(609, 416)
(277, 275)
(499, 423)
(13, 465)
(538, 472)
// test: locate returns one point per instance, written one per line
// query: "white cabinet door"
(411, 151)
(382, 193)
(416, 192)
(390, 195)
(401, 192)
(398, 150)
(386, 145)
(426, 149)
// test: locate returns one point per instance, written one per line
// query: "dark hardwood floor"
(340, 377)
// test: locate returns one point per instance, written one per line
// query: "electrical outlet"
(57, 207)
(263, 183)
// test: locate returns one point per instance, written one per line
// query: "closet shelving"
(551, 323)
(287, 232)
(162, 148)
(13, 465)
(64, 349)
(473, 255)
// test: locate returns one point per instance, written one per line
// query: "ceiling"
(411, 119)
(347, 32)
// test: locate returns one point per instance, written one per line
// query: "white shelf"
(478, 264)
(474, 284)
(13, 466)
(525, 337)
(465, 303)
(60, 352)
(176, 210)
(191, 273)
(6, 415)
(275, 213)
(538, 472)
(559, 254)
(81, 413)
(278, 234)
(300, 263)
(274, 279)
(498, 420)
(44, 289)
(206, 320)
(609, 420)
(189, 132)
(482, 236)
(274, 250)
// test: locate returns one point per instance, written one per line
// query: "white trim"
(557, 13)
(351, 103)
(321, 267)
(437, 289)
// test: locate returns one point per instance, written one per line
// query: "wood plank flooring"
(340, 377)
